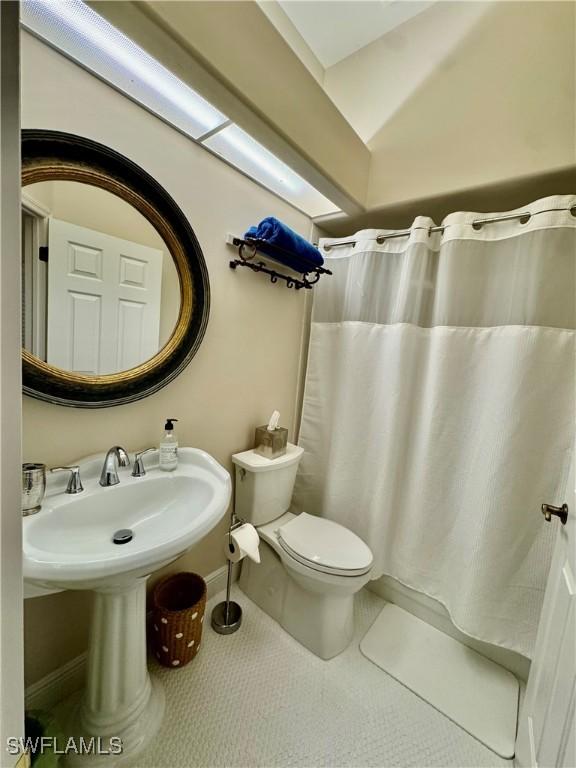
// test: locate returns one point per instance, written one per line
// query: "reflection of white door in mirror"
(103, 300)
(34, 235)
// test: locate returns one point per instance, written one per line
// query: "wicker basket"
(179, 602)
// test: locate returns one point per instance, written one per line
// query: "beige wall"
(248, 362)
(465, 94)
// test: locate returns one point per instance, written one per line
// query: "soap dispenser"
(168, 459)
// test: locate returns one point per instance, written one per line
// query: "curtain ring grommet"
(526, 218)
(573, 211)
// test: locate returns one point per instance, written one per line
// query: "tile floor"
(259, 699)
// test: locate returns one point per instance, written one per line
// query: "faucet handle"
(74, 481)
(139, 470)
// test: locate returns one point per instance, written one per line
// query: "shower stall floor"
(258, 698)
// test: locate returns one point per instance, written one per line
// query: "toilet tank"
(264, 486)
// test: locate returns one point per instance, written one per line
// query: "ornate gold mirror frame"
(51, 155)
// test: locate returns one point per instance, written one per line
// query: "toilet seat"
(324, 546)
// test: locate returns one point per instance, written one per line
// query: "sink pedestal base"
(120, 699)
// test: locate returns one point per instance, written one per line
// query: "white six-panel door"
(103, 300)
(547, 726)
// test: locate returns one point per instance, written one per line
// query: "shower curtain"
(438, 411)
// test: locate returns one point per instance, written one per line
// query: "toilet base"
(323, 623)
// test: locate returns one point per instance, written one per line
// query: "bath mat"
(472, 691)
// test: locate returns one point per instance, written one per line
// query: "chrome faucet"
(116, 457)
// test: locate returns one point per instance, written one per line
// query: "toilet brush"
(227, 615)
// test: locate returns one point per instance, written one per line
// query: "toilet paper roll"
(245, 543)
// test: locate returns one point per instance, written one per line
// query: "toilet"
(310, 567)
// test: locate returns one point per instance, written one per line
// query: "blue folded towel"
(285, 246)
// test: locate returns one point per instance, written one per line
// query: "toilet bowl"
(310, 567)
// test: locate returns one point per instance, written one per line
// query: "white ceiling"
(334, 29)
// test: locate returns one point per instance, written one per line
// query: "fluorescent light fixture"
(73, 28)
(79, 32)
(245, 153)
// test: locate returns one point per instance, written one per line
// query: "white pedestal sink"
(69, 545)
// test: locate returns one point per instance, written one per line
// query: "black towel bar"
(249, 247)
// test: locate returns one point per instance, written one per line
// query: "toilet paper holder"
(227, 615)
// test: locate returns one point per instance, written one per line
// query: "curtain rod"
(477, 224)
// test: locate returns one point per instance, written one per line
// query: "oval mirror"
(114, 284)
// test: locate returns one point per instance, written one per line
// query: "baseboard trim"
(216, 581)
(62, 682)
(58, 685)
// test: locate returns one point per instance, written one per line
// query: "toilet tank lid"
(254, 462)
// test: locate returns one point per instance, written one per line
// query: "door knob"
(562, 512)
